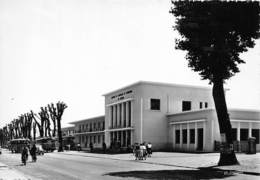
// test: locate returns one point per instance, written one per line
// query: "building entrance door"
(200, 139)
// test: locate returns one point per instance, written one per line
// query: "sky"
(77, 50)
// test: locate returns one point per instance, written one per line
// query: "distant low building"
(90, 130)
(68, 131)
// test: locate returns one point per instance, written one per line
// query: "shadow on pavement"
(203, 173)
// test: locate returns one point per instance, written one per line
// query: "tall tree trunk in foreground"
(227, 154)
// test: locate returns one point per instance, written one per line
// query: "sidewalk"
(7, 173)
(249, 164)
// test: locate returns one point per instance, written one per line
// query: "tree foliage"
(214, 33)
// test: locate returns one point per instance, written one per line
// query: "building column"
(173, 136)
(141, 121)
(107, 138)
(109, 116)
(117, 115)
(114, 116)
(250, 130)
(121, 118)
(123, 114)
(131, 118)
(196, 135)
(180, 135)
(204, 135)
(188, 136)
(238, 131)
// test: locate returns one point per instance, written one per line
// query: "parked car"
(39, 150)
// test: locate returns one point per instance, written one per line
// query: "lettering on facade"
(121, 96)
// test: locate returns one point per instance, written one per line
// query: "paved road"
(64, 166)
(74, 165)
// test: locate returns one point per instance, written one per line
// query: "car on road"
(39, 149)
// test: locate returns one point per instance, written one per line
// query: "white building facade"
(199, 130)
(170, 116)
(138, 112)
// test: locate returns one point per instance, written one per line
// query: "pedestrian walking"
(91, 146)
(142, 151)
(24, 155)
(104, 146)
(78, 147)
(149, 149)
(33, 153)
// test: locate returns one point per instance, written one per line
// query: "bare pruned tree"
(57, 112)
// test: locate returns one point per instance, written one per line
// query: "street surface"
(63, 166)
(72, 165)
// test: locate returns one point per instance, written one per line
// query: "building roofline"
(190, 112)
(67, 127)
(244, 109)
(96, 117)
(212, 109)
(158, 83)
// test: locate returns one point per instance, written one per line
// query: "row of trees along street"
(214, 33)
(46, 123)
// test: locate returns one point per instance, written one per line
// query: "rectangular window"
(234, 134)
(98, 139)
(201, 105)
(184, 136)
(192, 136)
(94, 139)
(177, 136)
(206, 105)
(186, 105)
(243, 134)
(90, 127)
(255, 133)
(155, 104)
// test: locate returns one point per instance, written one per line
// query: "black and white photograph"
(129, 90)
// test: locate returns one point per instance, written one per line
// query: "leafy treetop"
(214, 33)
